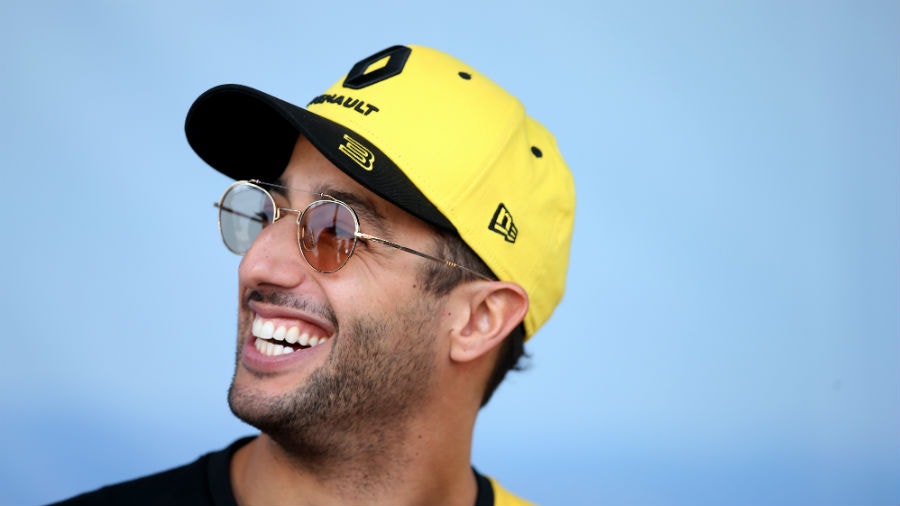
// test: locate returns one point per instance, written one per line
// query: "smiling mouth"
(275, 338)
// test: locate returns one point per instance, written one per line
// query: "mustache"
(304, 304)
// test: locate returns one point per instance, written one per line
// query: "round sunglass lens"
(327, 235)
(244, 211)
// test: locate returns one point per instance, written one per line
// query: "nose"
(274, 258)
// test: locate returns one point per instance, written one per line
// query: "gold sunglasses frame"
(280, 212)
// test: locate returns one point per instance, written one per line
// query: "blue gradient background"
(731, 328)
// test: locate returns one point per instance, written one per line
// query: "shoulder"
(179, 485)
(204, 481)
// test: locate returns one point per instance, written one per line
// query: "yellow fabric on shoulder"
(503, 497)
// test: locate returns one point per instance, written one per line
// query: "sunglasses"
(327, 229)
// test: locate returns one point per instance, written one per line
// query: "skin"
(383, 412)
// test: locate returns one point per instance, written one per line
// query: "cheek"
(370, 293)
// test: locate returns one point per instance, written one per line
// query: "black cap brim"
(247, 134)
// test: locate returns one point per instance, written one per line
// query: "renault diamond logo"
(358, 153)
(502, 223)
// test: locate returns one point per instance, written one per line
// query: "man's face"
(363, 338)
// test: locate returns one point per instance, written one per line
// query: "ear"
(488, 312)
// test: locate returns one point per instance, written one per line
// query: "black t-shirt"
(206, 481)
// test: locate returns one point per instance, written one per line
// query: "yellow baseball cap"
(433, 136)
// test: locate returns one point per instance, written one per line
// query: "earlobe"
(494, 310)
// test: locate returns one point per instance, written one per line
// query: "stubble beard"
(357, 405)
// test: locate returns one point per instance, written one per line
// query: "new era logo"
(358, 153)
(502, 223)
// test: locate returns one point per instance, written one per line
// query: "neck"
(417, 467)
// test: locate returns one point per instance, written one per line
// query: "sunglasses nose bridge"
(280, 212)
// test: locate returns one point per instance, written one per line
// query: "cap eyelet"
(536, 152)
(465, 75)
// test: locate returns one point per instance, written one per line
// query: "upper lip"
(270, 311)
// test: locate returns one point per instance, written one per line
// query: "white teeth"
(266, 331)
(273, 350)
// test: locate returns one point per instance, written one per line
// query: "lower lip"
(254, 360)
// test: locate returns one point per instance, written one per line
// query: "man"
(402, 237)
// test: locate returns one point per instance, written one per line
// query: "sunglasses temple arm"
(448, 263)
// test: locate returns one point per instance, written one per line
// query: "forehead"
(309, 170)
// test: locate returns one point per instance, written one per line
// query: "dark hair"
(439, 280)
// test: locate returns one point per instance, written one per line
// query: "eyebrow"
(363, 207)
(280, 188)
